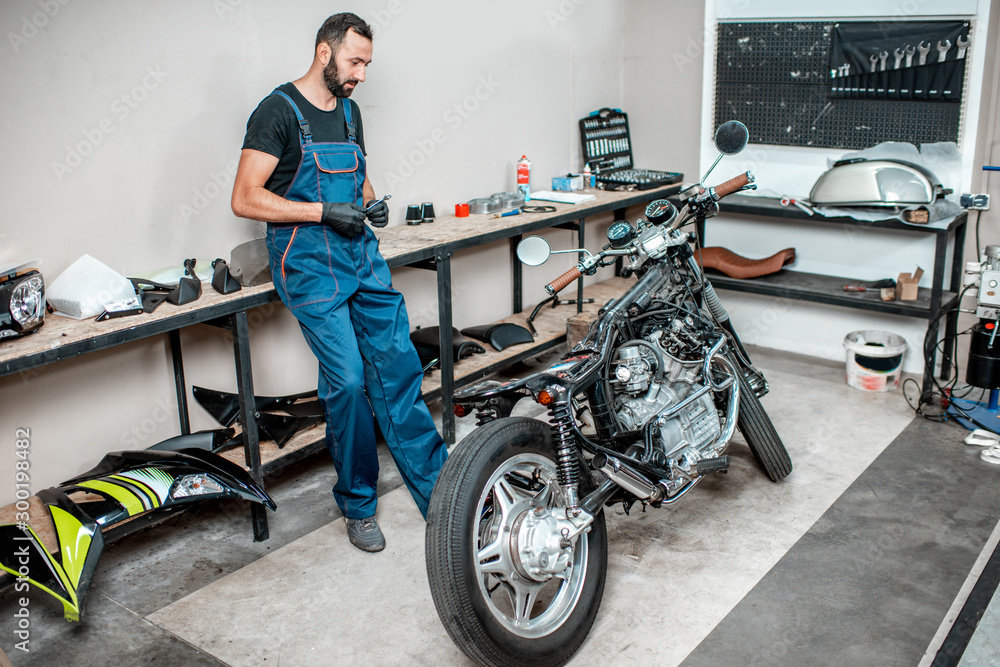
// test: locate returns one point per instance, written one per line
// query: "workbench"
(428, 246)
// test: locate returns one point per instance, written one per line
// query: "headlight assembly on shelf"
(22, 303)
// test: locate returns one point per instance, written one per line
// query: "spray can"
(524, 178)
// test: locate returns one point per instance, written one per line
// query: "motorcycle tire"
(760, 434)
(476, 575)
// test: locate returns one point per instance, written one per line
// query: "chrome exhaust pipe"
(627, 477)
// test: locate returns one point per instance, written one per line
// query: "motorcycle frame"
(588, 360)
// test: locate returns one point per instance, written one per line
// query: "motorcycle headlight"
(22, 304)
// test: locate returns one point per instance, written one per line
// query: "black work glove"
(378, 214)
(345, 219)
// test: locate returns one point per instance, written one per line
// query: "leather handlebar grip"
(733, 184)
(559, 283)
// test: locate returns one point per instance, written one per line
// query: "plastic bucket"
(874, 359)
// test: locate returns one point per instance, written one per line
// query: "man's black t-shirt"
(273, 129)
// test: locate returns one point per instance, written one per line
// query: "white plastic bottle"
(588, 177)
(524, 178)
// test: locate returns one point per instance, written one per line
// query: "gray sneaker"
(365, 534)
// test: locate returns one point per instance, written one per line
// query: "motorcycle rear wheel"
(760, 434)
(481, 509)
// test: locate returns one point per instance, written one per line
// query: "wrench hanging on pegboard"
(937, 73)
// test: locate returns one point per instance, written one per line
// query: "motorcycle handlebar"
(732, 185)
(559, 283)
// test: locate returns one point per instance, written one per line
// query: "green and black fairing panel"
(140, 481)
(126, 484)
(65, 575)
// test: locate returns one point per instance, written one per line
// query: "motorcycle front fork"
(754, 377)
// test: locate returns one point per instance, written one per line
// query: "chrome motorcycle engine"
(643, 394)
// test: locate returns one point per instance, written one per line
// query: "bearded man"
(302, 170)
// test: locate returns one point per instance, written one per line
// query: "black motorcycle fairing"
(281, 428)
(123, 485)
(66, 573)
(176, 464)
(225, 406)
(208, 440)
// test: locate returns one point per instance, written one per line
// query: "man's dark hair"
(335, 27)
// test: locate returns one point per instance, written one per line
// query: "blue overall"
(340, 291)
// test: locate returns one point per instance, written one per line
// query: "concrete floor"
(865, 555)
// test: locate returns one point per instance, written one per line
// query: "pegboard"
(775, 78)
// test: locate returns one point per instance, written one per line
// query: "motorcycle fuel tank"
(874, 183)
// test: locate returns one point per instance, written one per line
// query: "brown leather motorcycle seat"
(737, 266)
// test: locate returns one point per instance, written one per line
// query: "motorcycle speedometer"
(660, 211)
(621, 234)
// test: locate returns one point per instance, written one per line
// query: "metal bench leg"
(178, 358)
(443, 261)
(251, 442)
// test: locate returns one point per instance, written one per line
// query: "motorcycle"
(640, 410)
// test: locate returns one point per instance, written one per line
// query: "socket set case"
(607, 149)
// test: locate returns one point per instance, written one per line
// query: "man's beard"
(331, 76)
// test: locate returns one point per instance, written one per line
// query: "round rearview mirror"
(731, 137)
(533, 250)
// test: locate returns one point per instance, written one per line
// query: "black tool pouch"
(854, 73)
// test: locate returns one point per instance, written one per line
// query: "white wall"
(663, 54)
(122, 124)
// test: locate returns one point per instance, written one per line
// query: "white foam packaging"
(86, 286)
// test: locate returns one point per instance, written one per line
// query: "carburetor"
(632, 371)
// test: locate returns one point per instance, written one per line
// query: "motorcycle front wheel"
(760, 434)
(507, 586)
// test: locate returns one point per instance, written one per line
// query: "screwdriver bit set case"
(607, 149)
(902, 60)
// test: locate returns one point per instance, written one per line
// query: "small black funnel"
(222, 279)
(188, 287)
